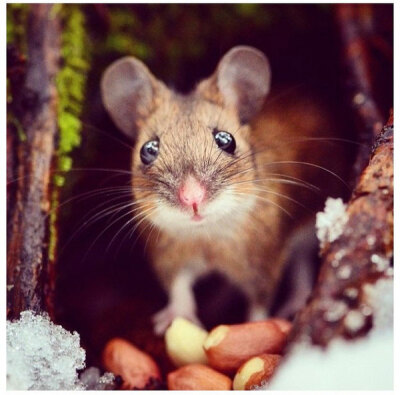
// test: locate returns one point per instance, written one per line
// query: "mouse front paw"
(163, 318)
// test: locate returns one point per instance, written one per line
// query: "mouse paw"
(163, 318)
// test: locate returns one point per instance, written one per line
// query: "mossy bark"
(31, 165)
(43, 128)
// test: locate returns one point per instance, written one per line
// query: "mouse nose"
(191, 192)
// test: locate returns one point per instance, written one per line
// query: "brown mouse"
(221, 178)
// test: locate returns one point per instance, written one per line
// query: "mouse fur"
(255, 198)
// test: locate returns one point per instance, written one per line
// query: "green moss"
(52, 225)
(71, 81)
(14, 121)
(17, 15)
(247, 9)
(71, 84)
(122, 38)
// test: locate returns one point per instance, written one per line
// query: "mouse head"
(192, 161)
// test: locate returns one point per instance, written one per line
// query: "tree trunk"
(30, 161)
(361, 255)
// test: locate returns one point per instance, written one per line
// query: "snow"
(45, 356)
(365, 365)
(381, 263)
(362, 364)
(330, 222)
(379, 297)
(336, 311)
(343, 272)
(354, 321)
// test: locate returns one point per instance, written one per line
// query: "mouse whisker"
(100, 131)
(131, 203)
(108, 227)
(89, 194)
(281, 176)
(152, 227)
(267, 200)
(149, 223)
(301, 139)
(305, 164)
(100, 169)
(305, 139)
(269, 191)
(86, 222)
(129, 232)
(233, 162)
(127, 223)
(290, 162)
(146, 216)
(257, 221)
(126, 196)
(289, 181)
(75, 169)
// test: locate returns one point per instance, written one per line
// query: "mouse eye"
(225, 141)
(149, 151)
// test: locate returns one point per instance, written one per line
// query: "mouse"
(222, 178)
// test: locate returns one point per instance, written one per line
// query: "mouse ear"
(243, 79)
(128, 92)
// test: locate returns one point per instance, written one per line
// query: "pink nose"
(191, 192)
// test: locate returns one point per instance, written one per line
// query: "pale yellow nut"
(254, 365)
(184, 342)
(255, 372)
(218, 334)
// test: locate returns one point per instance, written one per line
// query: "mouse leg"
(181, 303)
(257, 312)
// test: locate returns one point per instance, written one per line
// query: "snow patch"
(379, 297)
(45, 356)
(365, 364)
(362, 364)
(354, 321)
(330, 222)
(41, 355)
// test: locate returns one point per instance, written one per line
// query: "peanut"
(184, 342)
(229, 346)
(284, 325)
(198, 377)
(136, 368)
(256, 371)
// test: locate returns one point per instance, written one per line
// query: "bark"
(37, 112)
(361, 255)
(355, 25)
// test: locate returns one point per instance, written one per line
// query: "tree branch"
(359, 256)
(351, 20)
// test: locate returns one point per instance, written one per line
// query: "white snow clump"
(379, 296)
(330, 222)
(42, 355)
